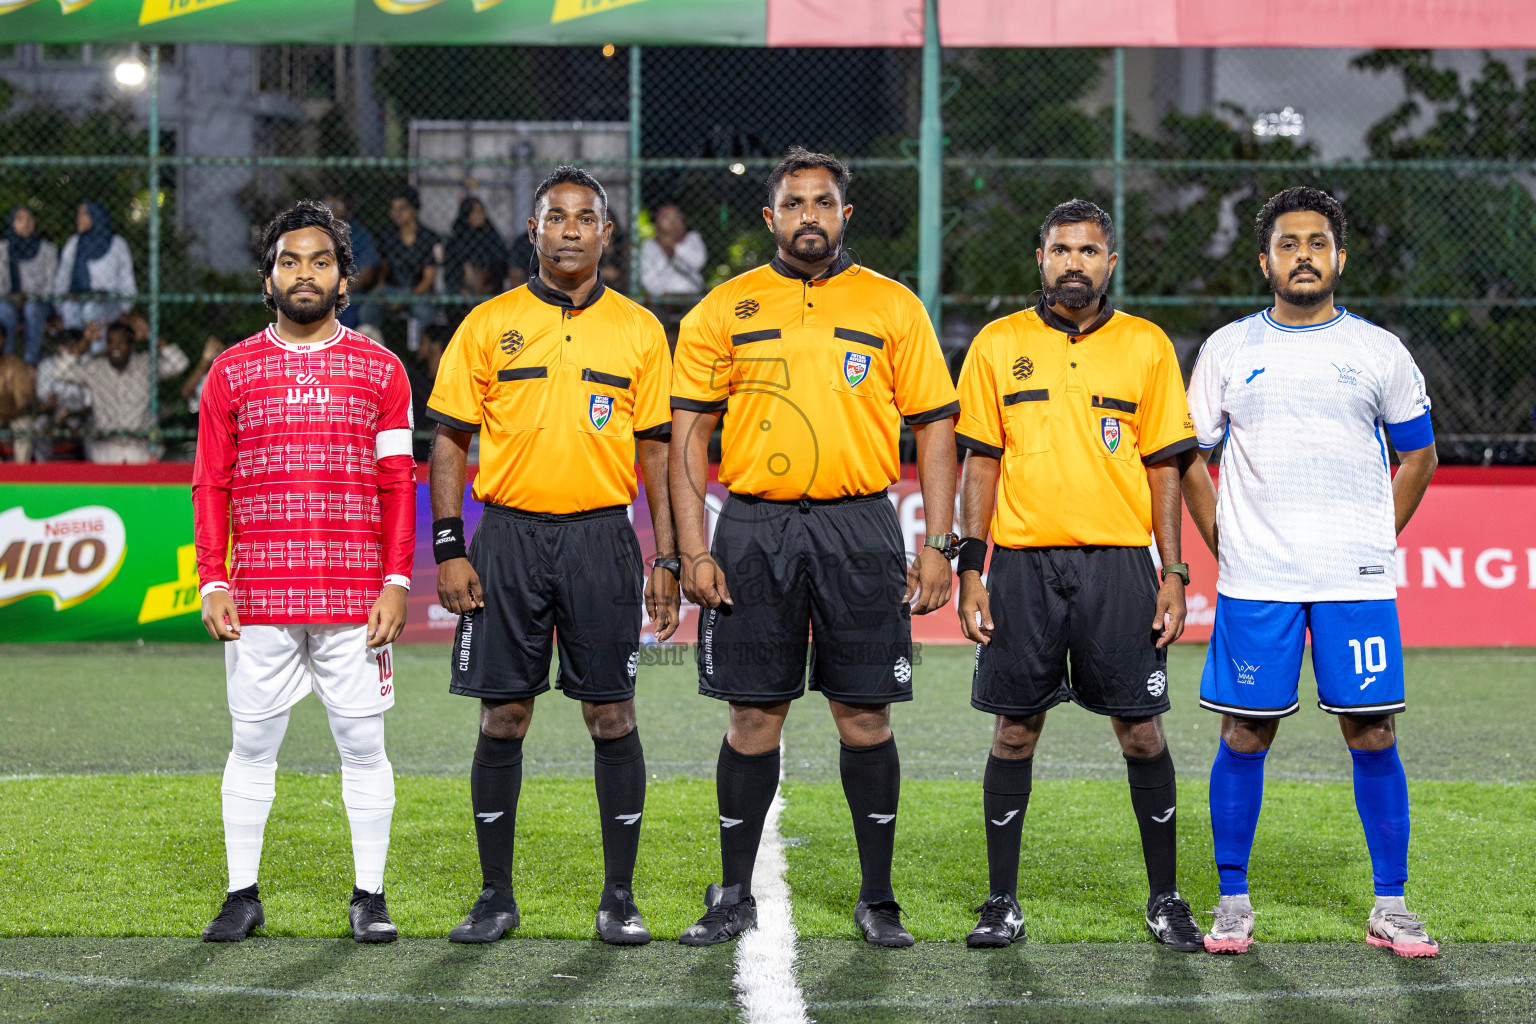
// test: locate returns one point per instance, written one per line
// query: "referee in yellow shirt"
(1074, 417)
(814, 362)
(562, 378)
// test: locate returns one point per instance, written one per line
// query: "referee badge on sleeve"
(1109, 430)
(855, 368)
(600, 410)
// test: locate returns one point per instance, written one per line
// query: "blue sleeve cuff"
(1412, 435)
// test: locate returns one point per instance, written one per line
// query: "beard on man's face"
(1311, 293)
(308, 309)
(1072, 290)
(808, 242)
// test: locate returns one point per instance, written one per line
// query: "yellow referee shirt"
(814, 376)
(558, 393)
(1075, 416)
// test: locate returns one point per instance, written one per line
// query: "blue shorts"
(1254, 663)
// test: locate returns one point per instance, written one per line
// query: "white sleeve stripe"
(392, 442)
(395, 579)
(209, 588)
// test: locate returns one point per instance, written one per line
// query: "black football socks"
(1154, 798)
(872, 785)
(1004, 800)
(744, 786)
(618, 769)
(495, 779)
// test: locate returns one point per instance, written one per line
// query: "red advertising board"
(1466, 565)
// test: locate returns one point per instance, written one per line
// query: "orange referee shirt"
(558, 393)
(1075, 416)
(814, 376)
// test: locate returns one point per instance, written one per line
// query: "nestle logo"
(746, 308)
(511, 343)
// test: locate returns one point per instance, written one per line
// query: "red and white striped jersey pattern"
(304, 456)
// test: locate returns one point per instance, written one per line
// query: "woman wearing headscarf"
(475, 261)
(28, 264)
(95, 259)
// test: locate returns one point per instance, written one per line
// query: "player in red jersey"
(304, 456)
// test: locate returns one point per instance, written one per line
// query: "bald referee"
(563, 379)
(1073, 416)
(814, 362)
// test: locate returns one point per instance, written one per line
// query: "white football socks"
(368, 792)
(1394, 904)
(250, 783)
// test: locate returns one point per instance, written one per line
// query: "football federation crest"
(600, 410)
(511, 343)
(1022, 368)
(855, 368)
(746, 308)
(1109, 430)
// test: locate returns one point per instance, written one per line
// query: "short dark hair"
(798, 159)
(1296, 200)
(306, 213)
(120, 326)
(569, 174)
(408, 193)
(1079, 211)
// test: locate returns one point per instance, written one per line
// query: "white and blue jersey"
(1304, 503)
(1304, 515)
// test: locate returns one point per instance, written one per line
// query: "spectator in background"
(475, 260)
(120, 384)
(30, 264)
(18, 383)
(672, 263)
(95, 259)
(408, 259)
(519, 259)
(62, 407)
(365, 255)
(421, 372)
(192, 387)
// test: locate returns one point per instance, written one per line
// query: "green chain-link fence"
(1434, 156)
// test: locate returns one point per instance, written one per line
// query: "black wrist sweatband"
(973, 555)
(448, 539)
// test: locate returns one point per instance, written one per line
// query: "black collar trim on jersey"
(1053, 319)
(556, 298)
(837, 266)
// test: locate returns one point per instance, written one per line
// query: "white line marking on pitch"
(765, 956)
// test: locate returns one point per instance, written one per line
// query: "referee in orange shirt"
(1074, 417)
(814, 362)
(563, 378)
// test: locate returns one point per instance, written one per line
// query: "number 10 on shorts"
(387, 671)
(1370, 656)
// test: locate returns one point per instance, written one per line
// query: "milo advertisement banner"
(85, 562)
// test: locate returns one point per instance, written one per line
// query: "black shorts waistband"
(556, 517)
(806, 503)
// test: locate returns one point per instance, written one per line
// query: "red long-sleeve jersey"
(304, 457)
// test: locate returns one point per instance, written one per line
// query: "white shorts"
(271, 668)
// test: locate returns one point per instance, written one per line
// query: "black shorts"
(1087, 609)
(829, 576)
(576, 578)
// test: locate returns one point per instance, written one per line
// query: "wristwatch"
(1179, 569)
(946, 544)
(672, 565)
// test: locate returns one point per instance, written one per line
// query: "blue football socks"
(1381, 797)
(1237, 793)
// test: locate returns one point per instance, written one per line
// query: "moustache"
(1073, 277)
(803, 232)
(1306, 268)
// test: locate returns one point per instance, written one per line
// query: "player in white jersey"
(1304, 526)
